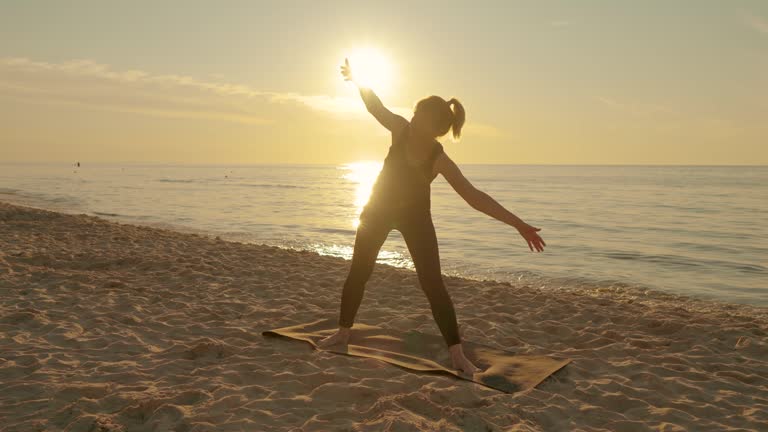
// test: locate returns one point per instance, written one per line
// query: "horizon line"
(345, 163)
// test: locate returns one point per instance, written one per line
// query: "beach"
(107, 326)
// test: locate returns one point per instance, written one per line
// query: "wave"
(218, 180)
(270, 185)
(107, 214)
(686, 262)
(335, 231)
(178, 180)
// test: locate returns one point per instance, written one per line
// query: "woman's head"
(434, 116)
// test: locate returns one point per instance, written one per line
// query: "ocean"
(697, 231)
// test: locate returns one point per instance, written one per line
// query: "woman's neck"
(419, 138)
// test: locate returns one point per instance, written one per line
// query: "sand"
(114, 327)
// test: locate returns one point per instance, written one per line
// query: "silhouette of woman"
(400, 199)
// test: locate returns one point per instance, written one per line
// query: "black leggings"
(419, 235)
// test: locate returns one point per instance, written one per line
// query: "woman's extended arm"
(373, 104)
(483, 202)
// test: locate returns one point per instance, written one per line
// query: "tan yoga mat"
(504, 370)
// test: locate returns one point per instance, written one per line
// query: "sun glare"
(364, 174)
(371, 69)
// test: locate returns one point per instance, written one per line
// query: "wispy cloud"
(354, 106)
(89, 84)
(756, 22)
(332, 104)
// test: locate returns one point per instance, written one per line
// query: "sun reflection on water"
(363, 173)
(393, 258)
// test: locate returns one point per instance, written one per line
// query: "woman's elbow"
(474, 198)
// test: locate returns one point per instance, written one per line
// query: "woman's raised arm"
(373, 104)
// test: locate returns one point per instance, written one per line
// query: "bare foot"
(461, 362)
(340, 337)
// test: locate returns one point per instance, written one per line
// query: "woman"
(400, 200)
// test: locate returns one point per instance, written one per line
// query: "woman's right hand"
(346, 71)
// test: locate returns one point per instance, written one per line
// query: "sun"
(371, 68)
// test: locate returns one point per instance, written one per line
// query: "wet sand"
(115, 327)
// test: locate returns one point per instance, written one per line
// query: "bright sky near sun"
(554, 82)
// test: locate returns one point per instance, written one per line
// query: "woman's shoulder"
(438, 148)
(401, 125)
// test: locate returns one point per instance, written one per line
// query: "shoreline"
(122, 326)
(611, 288)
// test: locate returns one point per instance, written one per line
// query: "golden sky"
(555, 82)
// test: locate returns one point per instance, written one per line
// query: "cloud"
(756, 22)
(155, 112)
(93, 85)
(49, 79)
(89, 68)
(332, 104)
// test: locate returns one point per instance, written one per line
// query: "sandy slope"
(112, 327)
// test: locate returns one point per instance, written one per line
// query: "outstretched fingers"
(345, 70)
(531, 236)
(534, 241)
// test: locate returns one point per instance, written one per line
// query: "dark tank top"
(401, 187)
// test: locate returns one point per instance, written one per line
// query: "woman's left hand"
(530, 234)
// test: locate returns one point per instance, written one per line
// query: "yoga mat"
(505, 370)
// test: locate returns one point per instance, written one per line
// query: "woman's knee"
(432, 281)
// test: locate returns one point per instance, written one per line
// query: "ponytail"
(458, 117)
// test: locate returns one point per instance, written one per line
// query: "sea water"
(698, 231)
